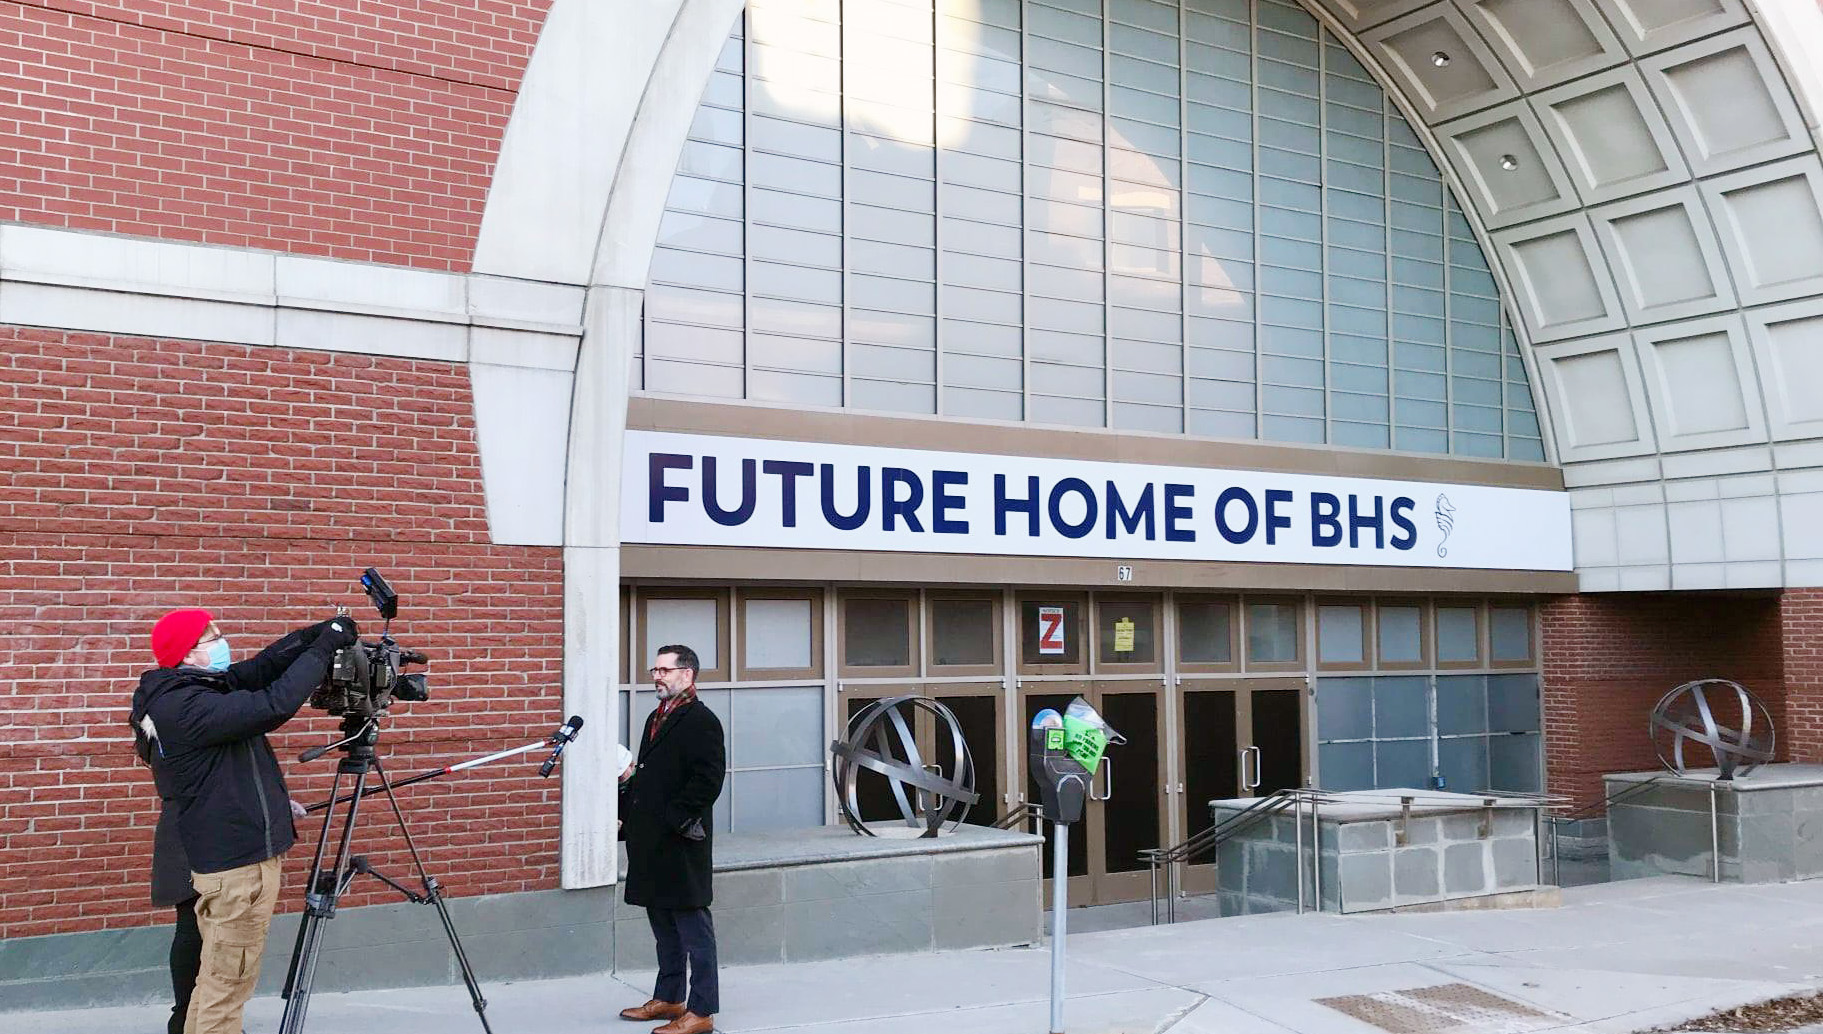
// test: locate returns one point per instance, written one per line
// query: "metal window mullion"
(1323, 215)
(936, 202)
(1449, 386)
(1386, 198)
(1107, 236)
(1259, 279)
(1025, 249)
(1506, 414)
(1183, 226)
(842, 120)
(746, 201)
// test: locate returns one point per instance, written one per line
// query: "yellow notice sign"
(1123, 635)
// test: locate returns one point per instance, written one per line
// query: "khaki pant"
(233, 912)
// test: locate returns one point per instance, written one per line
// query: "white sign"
(704, 490)
(1050, 630)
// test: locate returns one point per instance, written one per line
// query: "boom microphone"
(563, 737)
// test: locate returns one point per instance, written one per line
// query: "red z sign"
(1050, 630)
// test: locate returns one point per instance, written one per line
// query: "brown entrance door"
(1125, 812)
(1239, 737)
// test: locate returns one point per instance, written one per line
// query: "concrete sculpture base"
(1767, 826)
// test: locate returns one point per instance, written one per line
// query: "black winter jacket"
(678, 778)
(210, 757)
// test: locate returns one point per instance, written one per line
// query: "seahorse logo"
(1446, 521)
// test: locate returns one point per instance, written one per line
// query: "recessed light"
(1440, 59)
(1508, 162)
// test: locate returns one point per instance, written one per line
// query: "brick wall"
(1608, 658)
(1801, 614)
(357, 129)
(139, 475)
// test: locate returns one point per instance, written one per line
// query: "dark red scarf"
(665, 707)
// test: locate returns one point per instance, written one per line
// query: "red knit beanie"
(176, 634)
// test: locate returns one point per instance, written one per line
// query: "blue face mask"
(218, 655)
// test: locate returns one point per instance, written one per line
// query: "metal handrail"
(1589, 811)
(1210, 839)
(1024, 811)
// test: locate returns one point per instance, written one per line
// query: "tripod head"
(359, 735)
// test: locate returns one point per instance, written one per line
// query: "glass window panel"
(1401, 641)
(876, 633)
(1339, 635)
(1345, 709)
(1402, 706)
(1272, 633)
(1458, 635)
(689, 623)
(1513, 764)
(1126, 632)
(777, 634)
(781, 798)
(1464, 763)
(1203, 633)
(1510, 629)
(1050, 632)
(770, 728)
(1513, 704)
(963, 632)
(1402, 763)
(1461, 704)
(1346, 766)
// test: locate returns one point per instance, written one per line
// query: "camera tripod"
(326, 887)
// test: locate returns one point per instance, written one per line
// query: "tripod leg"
(434, 892)
(320, 898)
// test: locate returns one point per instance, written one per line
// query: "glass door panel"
(1210, 748)
(1131, 818)
(1057, 696)
(978, 716)
(1278, 733)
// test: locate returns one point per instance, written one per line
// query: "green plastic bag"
(1087, 735)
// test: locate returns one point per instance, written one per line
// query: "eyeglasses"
(656, 672)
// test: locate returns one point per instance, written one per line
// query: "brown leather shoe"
(688, 1023)
(654, 1010)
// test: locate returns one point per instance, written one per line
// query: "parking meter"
(1064, 751)
(1063, 782)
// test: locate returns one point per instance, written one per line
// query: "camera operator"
(201, 722)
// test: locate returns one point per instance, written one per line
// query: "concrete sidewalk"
(1615, 958)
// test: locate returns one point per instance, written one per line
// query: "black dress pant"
(685, 934)
(186, 960)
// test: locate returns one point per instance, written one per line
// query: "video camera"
(364, 679)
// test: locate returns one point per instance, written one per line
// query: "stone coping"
(1777, 776)
(816, 845)
(1379, 805)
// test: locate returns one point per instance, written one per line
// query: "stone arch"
(1663, 294)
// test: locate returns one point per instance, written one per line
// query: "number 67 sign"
(1050, 630)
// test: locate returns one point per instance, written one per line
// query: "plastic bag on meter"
(1087, 734)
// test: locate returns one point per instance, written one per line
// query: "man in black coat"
(665, 803)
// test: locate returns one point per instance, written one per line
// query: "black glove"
(692, 830)
(311, 632)
(337, 633)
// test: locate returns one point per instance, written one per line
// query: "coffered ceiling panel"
(1441, 62)
(1699, 378)
(1727, 101)
(1648, 26)
(1788, 345)
(1771, 222)
(1364, 14)
(1664, 257)
(1544, 42)
(1513, 173)
(1564, 289)
(1601, 403)
(1611, 135)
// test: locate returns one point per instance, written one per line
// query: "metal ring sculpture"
(935, 799)
(1686, 715)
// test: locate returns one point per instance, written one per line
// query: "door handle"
(1107, 781)
(1254, 784)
